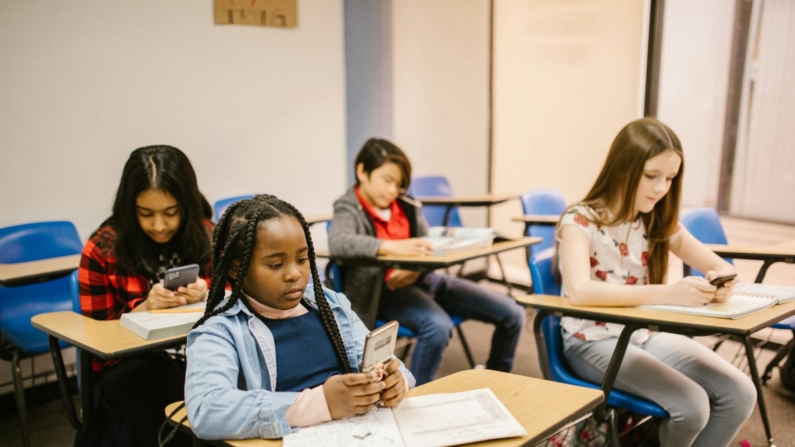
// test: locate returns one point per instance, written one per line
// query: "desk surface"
(537, 219)
(30, 270)
(542, 407)
(106, 339)
(477, 200)
(317, 218)
(675, 322)
(782, 251)
(440, 261)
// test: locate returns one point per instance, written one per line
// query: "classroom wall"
(568, 75)
(83, 83)
(694, 77)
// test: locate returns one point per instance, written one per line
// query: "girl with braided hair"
(276, 354)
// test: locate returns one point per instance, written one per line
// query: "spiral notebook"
(746, 299)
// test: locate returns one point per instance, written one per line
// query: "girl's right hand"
(350, 394)
(405, 247)
(162, 298)
(690, 291)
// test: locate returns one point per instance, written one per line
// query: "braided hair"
(234, 239)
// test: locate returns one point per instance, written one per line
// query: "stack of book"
(448, 241)
(162, 323)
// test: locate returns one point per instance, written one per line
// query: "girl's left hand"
(723, 293)
(395, 389)
(193, 293)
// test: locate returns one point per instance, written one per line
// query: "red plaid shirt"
(106, 291)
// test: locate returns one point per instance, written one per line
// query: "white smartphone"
(378, 347)
(180, 276)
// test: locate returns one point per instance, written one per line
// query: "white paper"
(735, 307)
(376, 428)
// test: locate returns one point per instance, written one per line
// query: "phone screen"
(379, 346)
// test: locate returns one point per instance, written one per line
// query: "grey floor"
(51, 428)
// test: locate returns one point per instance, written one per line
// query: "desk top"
(537, 219)
(664, 321)
(784, 251)
(541, 406)
(31, 270)
(477, 200)
(439, 261)
(318, 218)
(106, 339)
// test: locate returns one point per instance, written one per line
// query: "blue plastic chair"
(435, 186)
(221, 205)
(18, 304)
(548, 201)
(544, 282)
(704, 224)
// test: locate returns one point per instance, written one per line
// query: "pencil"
(176, 311)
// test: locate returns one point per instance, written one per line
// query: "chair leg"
(614, 436)
(782, 352)
(464, 344)
(19, 394)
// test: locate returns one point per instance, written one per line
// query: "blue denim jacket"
(235, 340)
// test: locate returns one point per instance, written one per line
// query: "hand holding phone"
(378, 348)
(721, 280)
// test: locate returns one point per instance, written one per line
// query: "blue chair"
(550, 340)
(548, 201)
(435, 186)
(18, 304)
(704, 224)
(221, 205)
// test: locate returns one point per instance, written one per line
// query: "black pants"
(138, 389)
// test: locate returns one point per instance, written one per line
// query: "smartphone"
(378, 347)
(721, 280)
(180, 276)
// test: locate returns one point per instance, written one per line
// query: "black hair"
(376, 152)
(234, 239)
(167, 169)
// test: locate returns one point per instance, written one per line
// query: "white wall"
(696, 47)
(85, 82)
(568, 76)
(440, 91)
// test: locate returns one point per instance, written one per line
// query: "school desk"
(424, 263)
(32, 271)
(317, 218)
(770, 254)
(546, 220)
(542, 407)
(634, 318)
(465, 201)
(105, 339)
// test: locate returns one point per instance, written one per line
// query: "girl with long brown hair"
(619, 236)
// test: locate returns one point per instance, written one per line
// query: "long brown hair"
(616, 187)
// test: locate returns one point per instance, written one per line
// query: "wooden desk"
(318, 218)
(31, 271)
(656, 320)
(465, 201)
(423, 263)
(770, 254)
(541, 406)
(106, 339)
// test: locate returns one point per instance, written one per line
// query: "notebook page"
(374, 429)
(783, 294)
(736, 306)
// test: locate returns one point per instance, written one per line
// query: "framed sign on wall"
(278, 13)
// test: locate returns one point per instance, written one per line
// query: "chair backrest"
(38, 240)
(221, 205)
(541, 272)
(434, 186)
(704, 224)
(547, 201)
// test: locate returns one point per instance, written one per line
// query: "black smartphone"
(180, 276)
(378, 347)
(721, 280)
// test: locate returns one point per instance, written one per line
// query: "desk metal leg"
(614, 366)
(541, 347)
(749, 352)
(375, 300)
(447, 211)
(762, 271)
(87, 389)
(60, 373)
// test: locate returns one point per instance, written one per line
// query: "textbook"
(738, 305)
(448, 241)
(153, 325)
(434, 420)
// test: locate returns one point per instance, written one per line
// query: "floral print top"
(619, 255)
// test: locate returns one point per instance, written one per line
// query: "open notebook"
(447, 240)
(746, 299)
(434, 420)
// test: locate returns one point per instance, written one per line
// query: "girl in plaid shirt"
(160, 220)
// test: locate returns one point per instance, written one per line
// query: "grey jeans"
(707, 398)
